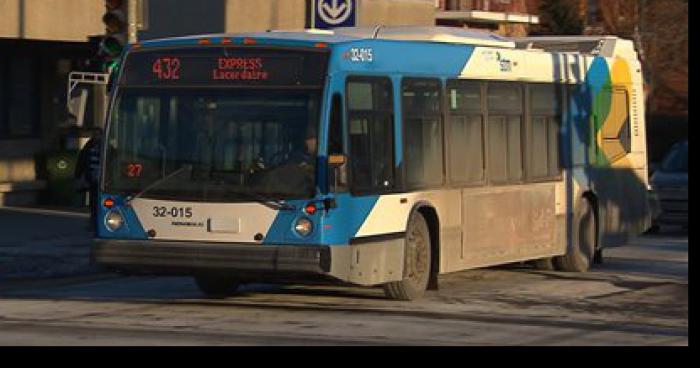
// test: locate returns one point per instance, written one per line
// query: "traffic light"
(116, 30)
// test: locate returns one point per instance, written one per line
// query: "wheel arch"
(594, 201)
(429, 213)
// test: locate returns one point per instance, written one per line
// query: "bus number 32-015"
(175, 212)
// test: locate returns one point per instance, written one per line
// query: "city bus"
(382, 156)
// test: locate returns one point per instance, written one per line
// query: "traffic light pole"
(132, 15)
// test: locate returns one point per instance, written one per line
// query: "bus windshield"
(213, 144)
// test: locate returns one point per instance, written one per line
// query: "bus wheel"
(654, 229)
(417, 262)
(581, 251)
(544, 264)
(216, 287)
(598, 257)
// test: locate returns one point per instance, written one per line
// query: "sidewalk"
(37, 243)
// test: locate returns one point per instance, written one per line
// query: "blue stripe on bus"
(397, 57)
(582, 100)
(132, 226)
(599, 75)
(334, 227)
(343, 223)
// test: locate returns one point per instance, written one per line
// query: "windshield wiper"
(162, 180)
(275, 204)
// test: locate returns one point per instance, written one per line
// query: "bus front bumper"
(363, 264)
(170, 257)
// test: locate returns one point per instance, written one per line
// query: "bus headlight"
(304, 226)
(114, 220)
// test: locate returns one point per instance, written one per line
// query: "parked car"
(669, 185)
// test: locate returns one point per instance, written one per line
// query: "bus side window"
(466, 134)
(371, 134)
(505, 108)
(544, 132)
(422, 116)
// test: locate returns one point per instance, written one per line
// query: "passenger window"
(544, 135)
(466, 135)
(371, 134)
(422, 116)
(505, 109)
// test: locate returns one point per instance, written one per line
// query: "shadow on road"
(45, 243)
(640, 289)
(293, 301)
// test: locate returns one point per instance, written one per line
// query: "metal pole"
(132, 15)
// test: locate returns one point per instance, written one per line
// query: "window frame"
(441, 121)
(390, 113)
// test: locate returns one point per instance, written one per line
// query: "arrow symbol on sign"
(336, 10)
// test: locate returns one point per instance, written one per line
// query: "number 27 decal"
(134, 170)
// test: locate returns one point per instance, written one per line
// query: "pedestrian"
(87, 173)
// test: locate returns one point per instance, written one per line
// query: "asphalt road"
(639, 296)
(43, 243)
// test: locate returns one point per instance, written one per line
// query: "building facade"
(506, 17)
(41, 41)
(216, 16)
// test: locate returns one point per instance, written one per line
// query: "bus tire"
(216, 287)
(544, 264)
(416, 264)
(581, 251)
(598, 257)
(653, 230)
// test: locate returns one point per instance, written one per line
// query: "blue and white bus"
(383, 156)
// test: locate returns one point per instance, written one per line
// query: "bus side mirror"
(336, 161)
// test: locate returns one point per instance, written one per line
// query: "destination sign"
(224, 66)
